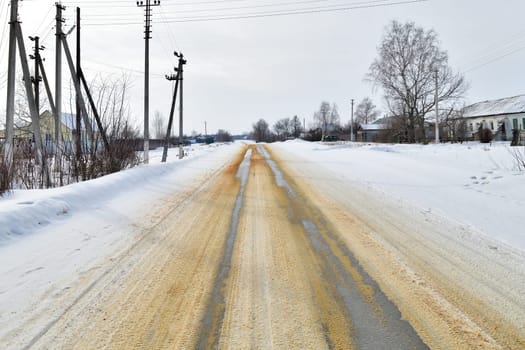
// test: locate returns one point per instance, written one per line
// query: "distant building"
(370, 132)
(47, 127)
(500, 116)
(24, 133)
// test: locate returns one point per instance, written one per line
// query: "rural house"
(500, 116)
(24, 133)
(370, 132)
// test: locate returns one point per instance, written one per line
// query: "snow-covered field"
(478, 185)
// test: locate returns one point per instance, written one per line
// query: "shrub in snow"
(485, 135)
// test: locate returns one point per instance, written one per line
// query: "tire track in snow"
(101, 281)
(214, 315)
(376, 322)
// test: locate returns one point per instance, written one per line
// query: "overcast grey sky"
(271, 67)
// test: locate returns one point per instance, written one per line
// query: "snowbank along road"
(262, 256)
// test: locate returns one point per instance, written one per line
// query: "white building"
(500, 116)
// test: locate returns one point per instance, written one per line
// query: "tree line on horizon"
(413, 72)
(326, 121)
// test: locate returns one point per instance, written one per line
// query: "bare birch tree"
(366, 111)
(409, 58)
(159, 127)
(327, 118)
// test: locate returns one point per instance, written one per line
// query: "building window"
(514, 123)
(523, 124)
(471, 127)
(491, 125)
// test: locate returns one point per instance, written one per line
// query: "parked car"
(331, 138)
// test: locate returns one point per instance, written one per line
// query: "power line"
(495, 52)
(49, 31)
(263, 14)
(44, 18)
(127, 69)
(170, 32)
(512, 52)
(248, 7)
(173, 3)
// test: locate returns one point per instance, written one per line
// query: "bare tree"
(409, 58)
(296, 126)
(366, 111)
(96, 160)
(261, 131)
(159, 128)
(113, 108)
(223, 136)
(282, 128)
(327, 118)
(453, 123)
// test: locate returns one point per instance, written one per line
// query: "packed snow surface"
(478, 185)
(47, 236)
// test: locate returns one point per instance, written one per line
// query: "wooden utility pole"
(147, 35)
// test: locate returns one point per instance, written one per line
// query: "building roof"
(373, 127)
(68, 119)
(508, 105)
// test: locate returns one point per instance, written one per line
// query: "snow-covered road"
(458, 286)
(54, 240)
(335, 241)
